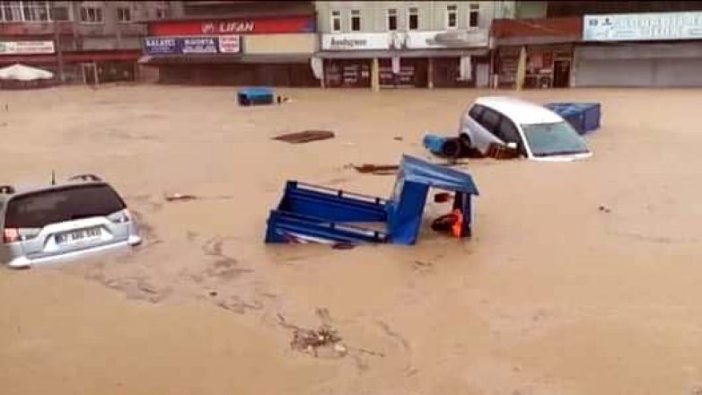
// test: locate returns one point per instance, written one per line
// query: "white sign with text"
(26, 47)
(640, 27)
(356, 41)
(447, 39)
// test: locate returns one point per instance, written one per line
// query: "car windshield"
(548, 139)
(39, 209)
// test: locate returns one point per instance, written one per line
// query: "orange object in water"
(457, 227)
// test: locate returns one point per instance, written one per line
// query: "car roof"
(520, 111)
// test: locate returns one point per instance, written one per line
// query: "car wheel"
(467, 146)
(452, 148)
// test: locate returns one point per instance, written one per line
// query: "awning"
(225, 59)
(73, 57)
(420, 53)
(537, 40)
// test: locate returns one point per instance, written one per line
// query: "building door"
(561, 73)
(90, 75)
(482, 75)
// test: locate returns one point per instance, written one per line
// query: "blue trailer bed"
(584, 117)
(309, 213)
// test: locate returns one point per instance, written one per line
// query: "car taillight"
(10, 235)
(124, 217)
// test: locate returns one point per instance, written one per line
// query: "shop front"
(640, 50)
(547, 66)
(78, 66)
(454, 58)
(549, 46)
(406, 60)
(269, 51)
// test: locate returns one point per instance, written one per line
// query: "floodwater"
(553, 295)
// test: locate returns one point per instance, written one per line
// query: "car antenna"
(53, 177)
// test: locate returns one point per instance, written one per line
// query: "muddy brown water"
(553, 295)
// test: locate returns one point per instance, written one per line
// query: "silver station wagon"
(79, 217)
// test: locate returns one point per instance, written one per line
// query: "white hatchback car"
(536, 132)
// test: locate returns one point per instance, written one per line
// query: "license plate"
(78, 236)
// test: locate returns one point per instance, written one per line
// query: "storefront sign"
(229, 44)
(639, 27)
(447, 39)
(296, 24)
(26, 47)
(191, 45)
(356, 41)
(199, 45)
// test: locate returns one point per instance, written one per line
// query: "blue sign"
(199, 45)
(191, 45)
(161, 46)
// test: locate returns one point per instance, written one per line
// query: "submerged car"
(81, 216)
(534, 131)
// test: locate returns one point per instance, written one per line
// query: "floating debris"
(305, 136)
(310, 341)
(343, 246)
(179, 197)
(381, 170)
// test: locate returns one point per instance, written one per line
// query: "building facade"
(549, 44)
(602, 44)
(234, 43)
(391, 44)
(81, 41)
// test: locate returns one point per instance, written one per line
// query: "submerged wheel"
(452, 148)
(467, 146)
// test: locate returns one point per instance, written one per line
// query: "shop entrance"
(561, 73)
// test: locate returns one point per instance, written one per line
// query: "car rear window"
(39, 209)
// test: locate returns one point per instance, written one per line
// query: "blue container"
(435, 143)
(254, 95)
(584, 117)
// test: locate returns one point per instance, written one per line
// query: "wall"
(289, 43)
(531, 9)
(112, 34)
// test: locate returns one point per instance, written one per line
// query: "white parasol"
(24, 73)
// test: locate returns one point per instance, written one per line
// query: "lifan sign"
(292, 24)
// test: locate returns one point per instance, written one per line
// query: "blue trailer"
(584, 117)
(250, 96)
(309, 213)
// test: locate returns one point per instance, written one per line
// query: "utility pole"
(57, 44)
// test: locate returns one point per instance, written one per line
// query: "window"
(12, 11)
(451, 15)
(474, 15)
(392, 20)
(124, 14)
(507, 132)
(476, 112)
(413, 18)
(355, 20)
(161, 13)
(36, 210)
(336, 21)
(24, 11)
(91, 14)
(58, 13)
(490, 120)
(558, 138)
(35, 11)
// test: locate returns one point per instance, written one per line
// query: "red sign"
(295, 24)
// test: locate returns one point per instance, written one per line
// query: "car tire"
(467, 146)
(452, 148)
